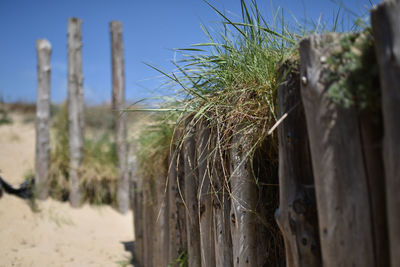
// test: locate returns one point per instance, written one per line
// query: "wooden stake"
(221, 204)
(176, 207)
(297, 213)
(191, 187)
(341, 183)
(243, 204)
(385, 22)
(42, 159)
(205, 195)
(75, 108)
(118, 104)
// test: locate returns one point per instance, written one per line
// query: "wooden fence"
(191, 211)
(339, 170)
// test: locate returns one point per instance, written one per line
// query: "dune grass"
(99, 167)
(231, 81)
(233, 78)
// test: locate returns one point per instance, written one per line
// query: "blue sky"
(151, 30)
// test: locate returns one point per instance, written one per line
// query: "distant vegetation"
(99, 168)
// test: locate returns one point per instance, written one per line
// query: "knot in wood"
(299, 206)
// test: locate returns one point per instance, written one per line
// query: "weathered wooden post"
(191, 187)
(43, 50)
(136, 188)
(243, 202)
(75, 108)
(297, 213)
(138, 220)
(205, 194)
(161, 234)
(149, 218)
(176, 207)
(118, 103)
(340, 175)
(153, 247)
(386, 30)
(221, 203)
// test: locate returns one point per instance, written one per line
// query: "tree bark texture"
(191, 189)
(118, 104)
(42, 158)
(341, 182)
(176, 207)
(243, 204)
(75, 108)
(205, 194)
(297, 213)
(385, 22)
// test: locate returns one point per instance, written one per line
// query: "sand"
(57, 235)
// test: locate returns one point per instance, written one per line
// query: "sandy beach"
(56, 235)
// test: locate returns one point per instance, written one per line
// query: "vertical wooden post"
(176, 207)
(341, 181)
(161, 224)
(118, 103)
(205, 195)
(243, 204)
(43, 49)
(149, 218)
(371, 129)
(136, 192)
(75, 108)
(386, 30)
(138, 220)
(297, 213)
(154, 245)
(191, 187)
(221, 204)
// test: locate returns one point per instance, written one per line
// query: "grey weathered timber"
(161, 223)
(221, 203)
(297, 213)
(372, 135)
(136, 188)
(205, 194)
(155, 220)
(138, 222)
(243, 203)
(191, 187)
(176, 207)
(75, 108)
(385, 22)
(341, 184)
(118, 103)
(42, 157)
(149, 218)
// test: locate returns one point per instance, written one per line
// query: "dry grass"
(99, 167)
